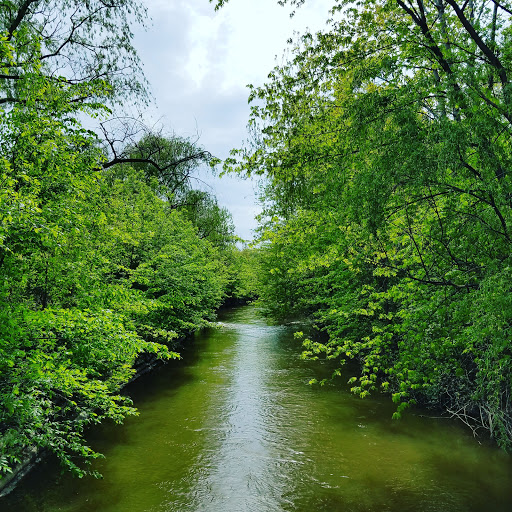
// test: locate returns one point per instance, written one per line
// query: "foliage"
(243, 270)
(98, 268)
(171, 161)
(121, 276)
(384, 144)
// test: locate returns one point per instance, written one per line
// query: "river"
(234, 427)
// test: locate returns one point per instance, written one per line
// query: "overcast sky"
(199, 62)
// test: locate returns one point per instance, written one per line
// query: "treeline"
(384, 145)
(107, 252)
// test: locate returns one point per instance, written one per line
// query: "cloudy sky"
(199, 62)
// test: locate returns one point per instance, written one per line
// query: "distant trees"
(385, 146)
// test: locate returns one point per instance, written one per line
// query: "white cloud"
(199, 61)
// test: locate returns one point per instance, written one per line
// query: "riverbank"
(234, 426)
(145, 363)
(34, 456)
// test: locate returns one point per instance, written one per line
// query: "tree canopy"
(104, 264)
(384, 146)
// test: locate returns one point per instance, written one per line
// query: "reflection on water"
(235, 428)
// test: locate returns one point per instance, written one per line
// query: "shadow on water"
(233, 427)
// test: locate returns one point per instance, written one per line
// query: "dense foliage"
(103, 260)
(385, 147)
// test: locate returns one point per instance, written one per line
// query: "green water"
(235, 428)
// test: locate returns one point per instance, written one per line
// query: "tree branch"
(19, 18)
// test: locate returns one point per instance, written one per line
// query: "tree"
(170, 165)
(213, 222)
(385, 145)
(171, 160)
(84, 49)
(97, 272)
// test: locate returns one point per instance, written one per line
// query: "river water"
(234, 427)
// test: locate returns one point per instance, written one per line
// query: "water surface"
(234, 427)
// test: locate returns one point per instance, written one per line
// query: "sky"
(199, 62)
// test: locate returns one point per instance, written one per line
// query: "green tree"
(385, 147)
(172, 161)
(213, 222)
(97, 272)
